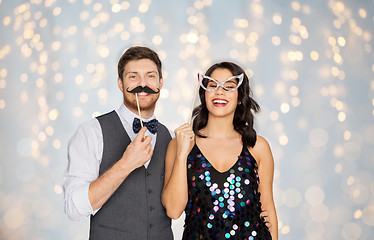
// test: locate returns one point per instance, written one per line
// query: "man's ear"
(120, 84)
(161, 82)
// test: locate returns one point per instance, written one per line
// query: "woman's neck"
(220, 128)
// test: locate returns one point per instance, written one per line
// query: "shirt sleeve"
(172, 134)
(84, 157)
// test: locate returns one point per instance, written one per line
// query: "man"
(116, 172)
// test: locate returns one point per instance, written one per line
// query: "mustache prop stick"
(140, 89)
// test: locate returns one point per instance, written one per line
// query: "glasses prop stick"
(193, 101)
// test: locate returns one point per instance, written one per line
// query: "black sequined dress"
(223, 205)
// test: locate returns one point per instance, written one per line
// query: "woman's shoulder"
(260, 148)
(261, 143)
(172, 143)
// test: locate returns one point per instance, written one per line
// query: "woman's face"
(221, 103)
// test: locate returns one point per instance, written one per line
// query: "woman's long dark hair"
(243, 117)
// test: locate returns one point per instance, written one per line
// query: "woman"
(216, 171)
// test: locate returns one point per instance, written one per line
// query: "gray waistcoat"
(134, 211)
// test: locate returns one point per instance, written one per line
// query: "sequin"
(223, 205)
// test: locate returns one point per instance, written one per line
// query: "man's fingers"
(147, 140)
(150, 153)
(140, 135)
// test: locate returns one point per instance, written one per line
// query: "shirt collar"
(129, 116)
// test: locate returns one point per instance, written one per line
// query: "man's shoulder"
(88, 125)
(172, 135)
(105, 115)
(93, 124)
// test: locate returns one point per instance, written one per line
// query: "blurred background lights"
(318, 137)
(314, 195)
(311, 70)
(351, 231)
(14, 218)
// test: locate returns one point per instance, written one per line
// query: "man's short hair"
(138, 53)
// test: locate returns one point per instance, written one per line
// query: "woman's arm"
(175, 193)
(264, 157)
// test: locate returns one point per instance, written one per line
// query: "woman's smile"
(219, 102)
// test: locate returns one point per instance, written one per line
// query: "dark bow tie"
(152, 125)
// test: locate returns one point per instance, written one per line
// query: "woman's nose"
(220, 90)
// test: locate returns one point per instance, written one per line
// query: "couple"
(132, 180)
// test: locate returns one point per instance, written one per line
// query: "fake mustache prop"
(145, 89)
(140, 89)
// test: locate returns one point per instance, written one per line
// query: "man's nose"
(143, 81)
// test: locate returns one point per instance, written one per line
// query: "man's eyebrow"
(138, 72)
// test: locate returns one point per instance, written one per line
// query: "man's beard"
(132, 104)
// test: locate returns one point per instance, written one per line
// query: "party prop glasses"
(230, 84)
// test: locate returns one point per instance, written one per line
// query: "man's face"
(142, 73)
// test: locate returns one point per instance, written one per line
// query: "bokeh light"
(311, 69)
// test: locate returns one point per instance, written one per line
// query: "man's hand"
(266, 217)
(138, 152)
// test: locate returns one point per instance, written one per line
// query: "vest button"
(151, 208)
(149, 190)
(148, 174)
(150, 225)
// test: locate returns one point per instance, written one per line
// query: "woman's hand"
(185, 138)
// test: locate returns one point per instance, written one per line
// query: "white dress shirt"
(85, 150)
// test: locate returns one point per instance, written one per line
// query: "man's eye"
(151, 76)
(132, 77)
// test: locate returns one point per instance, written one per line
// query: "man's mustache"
(145, 89)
